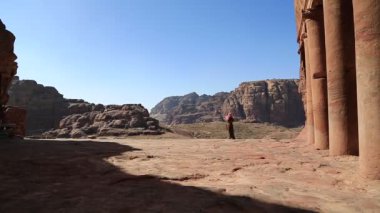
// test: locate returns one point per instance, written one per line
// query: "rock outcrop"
(55, 116)
(274, 101)
(11, 118)
(45, 105)
(111, 120)
(190, 108)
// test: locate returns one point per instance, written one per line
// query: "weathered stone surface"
(351, 30)
(115, 120)
(190, 108)
(14, 118)
(8, 65)
(367, 46)
(274, 101)
(317, 55)
(341, 77)
(8, 68)
(49, 110)
(45, 105)
(79, 108)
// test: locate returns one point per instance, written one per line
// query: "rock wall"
(190, 108)
(55, 116)
(12, 119)
(45, 105)
(274, 101)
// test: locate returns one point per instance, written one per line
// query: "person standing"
(230, 127)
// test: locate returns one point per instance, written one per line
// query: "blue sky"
(140, 51)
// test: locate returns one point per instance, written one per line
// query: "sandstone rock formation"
(274, 101)
(50, 112)
(45, 105)
(111, 120)
(339, 45)
(10, 117)
(190, 108)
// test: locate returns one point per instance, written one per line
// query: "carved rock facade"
(339, 45)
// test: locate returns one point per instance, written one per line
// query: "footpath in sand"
(180, 175)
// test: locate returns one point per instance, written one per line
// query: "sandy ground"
(180, 175)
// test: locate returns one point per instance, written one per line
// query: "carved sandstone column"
(341, 77)
(367, 42)
(316, 45)
(309, 103)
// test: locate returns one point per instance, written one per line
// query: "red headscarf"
(228, 116)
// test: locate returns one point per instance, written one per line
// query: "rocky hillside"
(190, 108)
(47, 109)
(273, 101)
(45, 105)
(110, 120)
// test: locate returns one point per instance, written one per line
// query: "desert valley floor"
(180, 175)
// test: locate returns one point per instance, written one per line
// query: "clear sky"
(140, 51)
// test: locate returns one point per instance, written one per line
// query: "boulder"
(114, 120)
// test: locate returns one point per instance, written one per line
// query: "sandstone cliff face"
(274, 101)
(45, 105)
(47, 109)
(190, 108)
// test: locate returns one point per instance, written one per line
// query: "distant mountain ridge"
(190, 108)
(275, 101)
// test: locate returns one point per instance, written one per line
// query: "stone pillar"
(341, 77)
(309, 103)
(367, 43)
(316, 45)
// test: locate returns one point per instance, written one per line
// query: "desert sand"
(180, 175)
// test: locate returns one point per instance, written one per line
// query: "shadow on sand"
(66, 176)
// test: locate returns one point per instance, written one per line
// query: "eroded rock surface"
(45, 105)
(55, 116)
(110, 120)
(273, 101)
(190, 108)
(12, 119)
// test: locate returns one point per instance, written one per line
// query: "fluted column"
(341, 77)
(367, 43)
(317, 56)
(309, 102)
